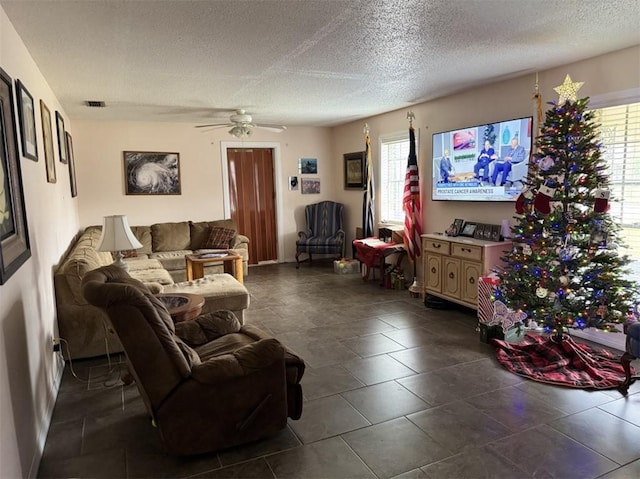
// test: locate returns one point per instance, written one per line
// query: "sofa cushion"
(143, 234)
(138, 264)
(80, 262)
(170, 236)
(154, 275)
(219, 238)
(221, 291)
(200, 230)
(171, 260)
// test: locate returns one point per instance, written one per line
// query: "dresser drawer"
(466, 251)
(436, 246)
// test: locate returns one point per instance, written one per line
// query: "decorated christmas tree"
(565, 268)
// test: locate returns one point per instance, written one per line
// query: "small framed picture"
(495, 233)
(293, 183)
(457, 225)
(62, 139)
(47, 138)
(308, 166)
(72, 166)
(27, 119)
(468, 229)
(354, 166)
(479, 232)
(310, 186)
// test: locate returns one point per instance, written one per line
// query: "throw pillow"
(219, 238)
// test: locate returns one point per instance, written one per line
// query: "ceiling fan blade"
(215, 125)
(275, 128)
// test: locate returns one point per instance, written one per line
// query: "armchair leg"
(297, 260)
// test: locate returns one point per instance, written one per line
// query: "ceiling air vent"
(95, 103)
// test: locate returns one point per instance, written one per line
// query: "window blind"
(620, 137)
(394, 153)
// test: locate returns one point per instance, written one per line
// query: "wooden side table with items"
(452, 266)
(231, 262)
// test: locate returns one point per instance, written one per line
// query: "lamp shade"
(116, 235)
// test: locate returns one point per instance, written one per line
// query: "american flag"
(411, 202)
(369, 196)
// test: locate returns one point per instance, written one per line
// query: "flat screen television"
(469, 163)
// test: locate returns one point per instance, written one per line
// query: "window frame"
(383, 140)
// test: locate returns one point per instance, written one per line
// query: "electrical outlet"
(56, 345)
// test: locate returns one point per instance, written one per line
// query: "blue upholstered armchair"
(324, 234)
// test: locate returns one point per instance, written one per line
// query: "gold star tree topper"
(568, 90)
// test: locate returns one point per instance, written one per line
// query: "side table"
(372, 252)
(231, 262)
(182, 306)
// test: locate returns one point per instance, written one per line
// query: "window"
(394, 153)
(620, 136)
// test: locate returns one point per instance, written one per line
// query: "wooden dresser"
(452, 265)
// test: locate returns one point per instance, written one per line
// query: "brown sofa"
(209, 383)
(170, 242)
(84, 327)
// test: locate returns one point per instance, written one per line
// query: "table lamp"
(117, 237)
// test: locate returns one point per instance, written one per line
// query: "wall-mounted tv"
(486, 162)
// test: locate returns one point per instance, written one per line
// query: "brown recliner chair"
(209, 383)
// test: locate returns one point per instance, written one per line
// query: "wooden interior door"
(252, 200)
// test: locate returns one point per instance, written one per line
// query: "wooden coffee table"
(231, 262)
(182, 306)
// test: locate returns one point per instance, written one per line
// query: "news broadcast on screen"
(482, 163)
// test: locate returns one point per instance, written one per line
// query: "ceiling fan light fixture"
(240, 131)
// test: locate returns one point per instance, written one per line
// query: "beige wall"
(615, 72)
(29, 370)
(98, 150)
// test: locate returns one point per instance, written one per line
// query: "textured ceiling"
(298, 62)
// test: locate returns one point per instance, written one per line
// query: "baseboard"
(609, 340)
(47, 416)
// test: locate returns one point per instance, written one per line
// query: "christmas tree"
(565, 268)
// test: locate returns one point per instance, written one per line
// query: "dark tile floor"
(392, 389)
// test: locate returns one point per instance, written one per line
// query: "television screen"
(482, 163)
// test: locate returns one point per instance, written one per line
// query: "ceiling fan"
(242, 125)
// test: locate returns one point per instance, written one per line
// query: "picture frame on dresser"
(468, 229)
(495, 233)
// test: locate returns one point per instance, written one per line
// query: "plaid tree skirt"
(564, 363)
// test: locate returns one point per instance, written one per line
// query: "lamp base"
(118, 261)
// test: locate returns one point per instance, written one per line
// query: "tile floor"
(392, 389)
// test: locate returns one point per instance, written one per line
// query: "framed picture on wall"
(72, 166)
(308, 166)
(310, 186)
(27, 118)
(47, 138)
(14, 236)
(354, 164)
(62, 140)
(151, 173)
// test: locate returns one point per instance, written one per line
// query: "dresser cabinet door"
(469, 282)
(451, 277)
(433, 272)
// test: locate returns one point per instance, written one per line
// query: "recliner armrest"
(207, 327)
(244, 361)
